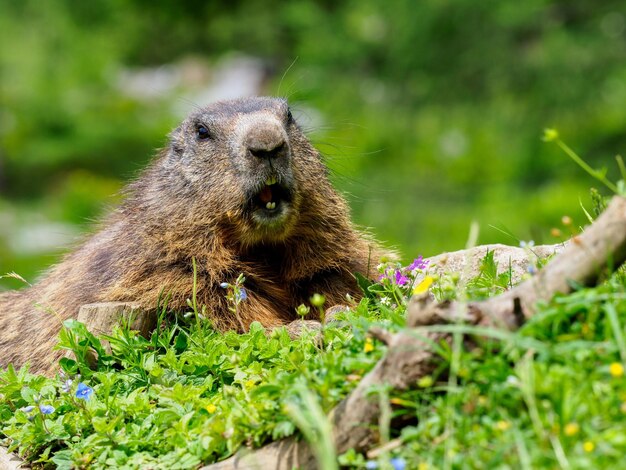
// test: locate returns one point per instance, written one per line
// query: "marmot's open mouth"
(272, 197)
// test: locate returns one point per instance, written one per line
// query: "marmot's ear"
(177, 141)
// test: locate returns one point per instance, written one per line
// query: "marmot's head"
(247, 167)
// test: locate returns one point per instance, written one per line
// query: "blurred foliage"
(430, 113)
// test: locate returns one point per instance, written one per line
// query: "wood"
(410, 354)
(100, 318)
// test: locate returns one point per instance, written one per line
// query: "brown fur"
(194, 201)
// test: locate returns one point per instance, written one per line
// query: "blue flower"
(83, 391)
(371, 465)
(224, 285)
(242, 294)
(46, 409)
(398, 463)
(28, 409)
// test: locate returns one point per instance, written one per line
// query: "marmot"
(240, 189)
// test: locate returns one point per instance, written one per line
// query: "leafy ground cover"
(550, 395)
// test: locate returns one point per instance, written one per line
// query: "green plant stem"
(574, 156)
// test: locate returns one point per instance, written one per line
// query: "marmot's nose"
(266, 142)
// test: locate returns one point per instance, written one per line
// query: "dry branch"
(411, 355)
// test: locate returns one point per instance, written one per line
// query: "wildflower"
(566, 220)
(241, 294)
(418, 263)
(83, 391)
(398, 463)
(616, 369)
(550, 135)
(67, 386)
(318, 300)
(211, 408)
(46, 409)
(532, 270)
(28, 409)
(400, 278)
(422, 466)
(528, 244)
(503, 425)
(571, 429)
(369, 346)
(425, 382)
(512, 380)
(303, 310)
(385, 301)
(423, 286)
(224, 285)
(588, 446)
(555, 232)
(371, 465)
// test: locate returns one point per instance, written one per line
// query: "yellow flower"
(369, 346)
(249, 383)
(422, 466)
(616, 369)
(571, 429)
(588, 446)
(622, 407)
(211, 408)
(550, 135)
(503, 425)
(425, 382)
(423, 286)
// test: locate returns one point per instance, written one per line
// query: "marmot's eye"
(202, 132)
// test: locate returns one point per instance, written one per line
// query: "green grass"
(551, 395)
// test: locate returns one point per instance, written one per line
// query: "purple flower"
(83, 391)
(242, 294)
(418, 263)
(46, 409)
(384, 275)
(398, 463)
(400, 278)
(28, 409)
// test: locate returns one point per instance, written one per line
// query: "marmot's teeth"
(270, 205)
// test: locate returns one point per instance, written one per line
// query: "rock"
(467, 262)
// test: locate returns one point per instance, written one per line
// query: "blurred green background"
(429, 113)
